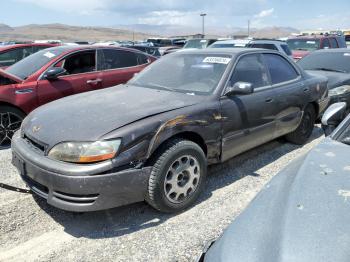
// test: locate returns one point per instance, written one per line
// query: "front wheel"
(305, 128)
(10, 121)
(177, 177)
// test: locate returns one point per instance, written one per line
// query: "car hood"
(301, 215)
(335, 79)
(89, 116)
(9, 76)
(298, 54)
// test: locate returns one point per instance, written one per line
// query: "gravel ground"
(30, 230)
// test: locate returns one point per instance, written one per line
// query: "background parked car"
(230, 43)
(301, 215)
(152, 138)
(277, 45)
(199, 43)
(151, 50)
(303, 45)
(58, 72)
(11, 54)
(335, 65)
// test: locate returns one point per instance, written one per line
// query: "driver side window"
(250, 69)
(79, 63)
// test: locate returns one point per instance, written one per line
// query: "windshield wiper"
(329, 69)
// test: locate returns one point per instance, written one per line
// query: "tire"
(305, 128)
(169, 174)
(10, 121)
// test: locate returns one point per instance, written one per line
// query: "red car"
(11, 54)
(58, 72)
(303, 45)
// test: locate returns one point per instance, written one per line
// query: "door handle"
(94, 82)
(268, 100)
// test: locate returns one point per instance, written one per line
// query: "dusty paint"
(330, 154)
(347, 168)
(345, 194)
(300, 207)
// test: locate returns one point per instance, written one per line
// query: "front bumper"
(78, 188)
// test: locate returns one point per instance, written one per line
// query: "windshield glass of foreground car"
(31, 64)
(345, 135)
(303, 44)
(187, 73)
(332, 61)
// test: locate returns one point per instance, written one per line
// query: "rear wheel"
(177, 176)
(305, 128)
(10, 121)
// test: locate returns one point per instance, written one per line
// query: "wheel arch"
(5, 104)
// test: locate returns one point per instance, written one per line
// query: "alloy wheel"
(9, 124)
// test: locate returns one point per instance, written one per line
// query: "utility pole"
(248, 28)
(203, 15)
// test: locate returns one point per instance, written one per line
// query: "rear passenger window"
(280, 69)
(114, 59)
(286, 49)
(326, 44)
(251, 69)
(264, 46)
(334, 43)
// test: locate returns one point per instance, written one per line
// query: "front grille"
(37, 146)
(76, 199)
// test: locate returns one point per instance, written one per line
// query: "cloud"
(265, 13)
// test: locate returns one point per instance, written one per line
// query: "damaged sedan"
(152, 138)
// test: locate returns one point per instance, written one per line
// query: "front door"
(248, 120)
(81, 76)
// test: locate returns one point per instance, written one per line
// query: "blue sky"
(301, 14)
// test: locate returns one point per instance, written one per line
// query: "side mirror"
(54, 73)
(240, 88)
(333, 116)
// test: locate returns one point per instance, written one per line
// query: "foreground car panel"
(187, 110)
(301, 215)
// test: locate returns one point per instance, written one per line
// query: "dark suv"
(303, 45)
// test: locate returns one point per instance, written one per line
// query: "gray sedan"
(153, 138)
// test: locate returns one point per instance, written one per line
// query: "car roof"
(268, 41)
(312, 37)
(8, 47)
(333, 50)
(233, 41)
(68, 48)
(225, 51)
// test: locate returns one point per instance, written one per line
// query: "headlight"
(339, 90)
(85, 152)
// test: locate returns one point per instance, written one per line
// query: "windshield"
(196, 43)
(303, 44)
(332, 61)
(345, 135)
(31, 64)
(187, 73)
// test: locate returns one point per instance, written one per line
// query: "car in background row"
(151, 50)
(335, 65)
(11, 54)
(277, 45)
(302, 214)
(199, 43)
(153, 138)
(58, 72)
(232, 43)
(303, 45)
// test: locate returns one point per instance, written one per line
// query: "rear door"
(249, 119)
(82, 76)
(290, 93)
(119, 66)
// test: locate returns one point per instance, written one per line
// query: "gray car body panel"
(302, 214)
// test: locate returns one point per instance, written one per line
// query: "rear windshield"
(197, 74)
(31, 64)
(303, 44)
(332, 61)
(196, 43)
